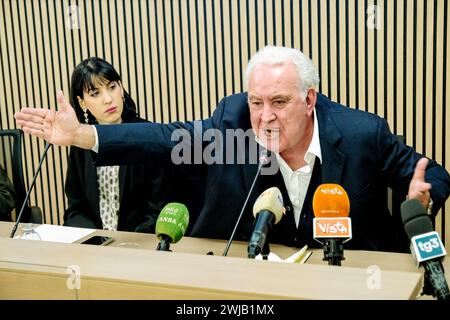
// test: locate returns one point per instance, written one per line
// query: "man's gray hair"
(270, 55)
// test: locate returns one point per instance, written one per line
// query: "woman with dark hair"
(126, 198)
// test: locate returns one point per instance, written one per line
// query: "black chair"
(11, 161)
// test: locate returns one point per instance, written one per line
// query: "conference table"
(194, 269)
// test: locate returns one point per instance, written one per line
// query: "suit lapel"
(333, 160)
(91, 175)
(122, 176)
(249, 171)
(250, 168)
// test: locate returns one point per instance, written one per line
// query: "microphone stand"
(434, 280)
(265, 251)
(427, 287)
(14, 229)
(164, 244)
(265, 154)
(333, 251)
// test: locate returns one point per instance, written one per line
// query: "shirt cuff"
(95, 147)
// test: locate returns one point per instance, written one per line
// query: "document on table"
(54, 233)
(300, 256)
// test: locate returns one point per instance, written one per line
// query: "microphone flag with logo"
(426, 247)
(171, 224)
(332, 225)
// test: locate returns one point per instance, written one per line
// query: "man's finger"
(419, 172)
(26, 113)
(62, 101)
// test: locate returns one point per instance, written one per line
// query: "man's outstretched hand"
(57, 127)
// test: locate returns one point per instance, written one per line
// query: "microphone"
(264, 159)
(22, 209)
(426, 248)
(331, 225)
(171, 225)
(268, 210)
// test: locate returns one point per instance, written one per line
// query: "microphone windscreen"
(411, 209)
(415, 218)
(330, 201)
(270, 200)
(172, 221)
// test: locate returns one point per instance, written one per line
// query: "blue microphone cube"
(427, 246)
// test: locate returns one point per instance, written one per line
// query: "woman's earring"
(86, 119)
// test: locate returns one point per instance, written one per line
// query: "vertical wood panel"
(389, 66)
(428, 106)
(446, 126)
(362, 60)
(351, 71)
(4, 66)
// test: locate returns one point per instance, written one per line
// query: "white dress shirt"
(297, 182)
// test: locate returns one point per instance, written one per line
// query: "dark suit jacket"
(141, 193)
(358, 152)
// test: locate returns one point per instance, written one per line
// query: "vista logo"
(332, 228)
(334, 190)
(428, 246)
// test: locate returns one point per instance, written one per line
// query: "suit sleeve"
(77, 212)
(149, 143)
(153, 143)
(399, 161)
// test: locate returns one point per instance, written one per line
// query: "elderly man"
(313, 140)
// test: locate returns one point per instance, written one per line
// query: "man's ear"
(311, 98)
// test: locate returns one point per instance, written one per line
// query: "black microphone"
(19, 216)
(268, 210)
(264, 159)
(426, 248)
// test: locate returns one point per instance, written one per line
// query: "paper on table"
(300, 256)
(271, 257)
(53, 233)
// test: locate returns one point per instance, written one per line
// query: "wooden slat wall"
(178, 58)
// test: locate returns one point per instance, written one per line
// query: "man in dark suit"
(313, 141)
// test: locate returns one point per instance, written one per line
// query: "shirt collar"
(314, 147)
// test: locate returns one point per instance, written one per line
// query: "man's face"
(280, 116)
